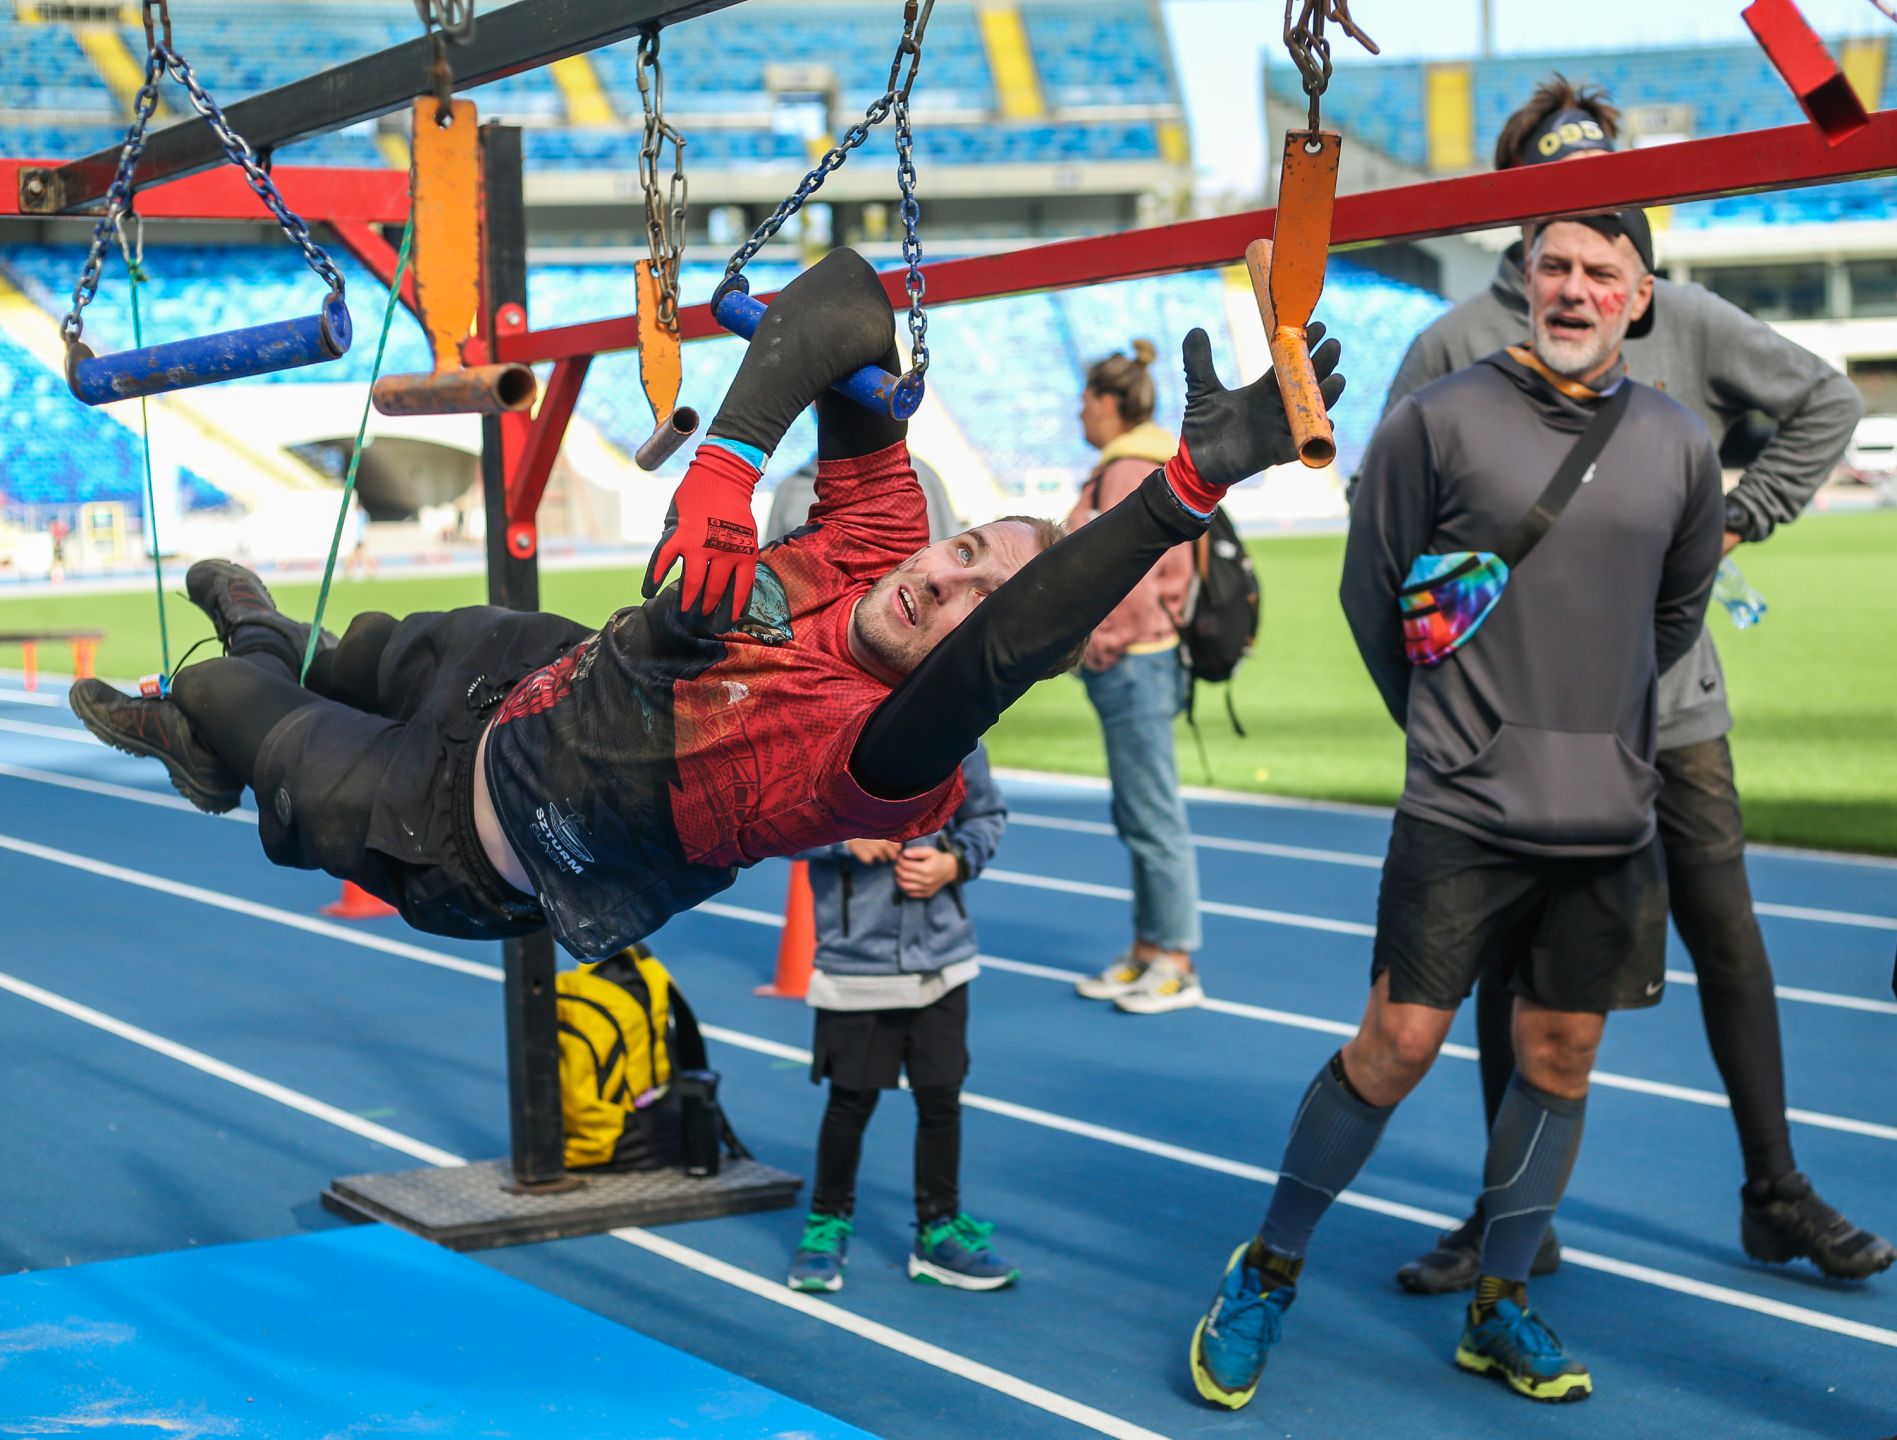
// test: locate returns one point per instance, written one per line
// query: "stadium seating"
(57, 452)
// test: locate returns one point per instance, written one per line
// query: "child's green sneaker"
(956, 1251)
(821, 1254)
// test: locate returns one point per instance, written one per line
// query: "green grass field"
(1814, 687)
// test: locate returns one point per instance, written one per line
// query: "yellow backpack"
(624, 1030)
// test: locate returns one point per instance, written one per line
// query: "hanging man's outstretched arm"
(1032, 626)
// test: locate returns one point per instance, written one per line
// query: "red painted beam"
(1781, 159)
(527, 479)
(315, 192)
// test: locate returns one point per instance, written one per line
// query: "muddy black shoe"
(245, 616)
(158, 728)
(1455, 1263)
(1788, 1220)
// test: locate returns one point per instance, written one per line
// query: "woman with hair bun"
(1137, 684)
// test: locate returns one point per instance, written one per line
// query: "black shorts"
(1581, 933)
(1698, 804)
(384, 797)
(870, 1049)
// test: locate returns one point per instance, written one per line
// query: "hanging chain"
(894, 100)
(453, 18)
(665, 215)
(878, 111)
(913, 282)
(1888, 9)
(162, 61)
(1310, 51)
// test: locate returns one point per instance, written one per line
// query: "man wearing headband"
(1524, 840)
(1721, 364)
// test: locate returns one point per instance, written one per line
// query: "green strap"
(137, 271)
(355, 457)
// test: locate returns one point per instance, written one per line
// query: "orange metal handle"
(1291, 364)
(660, 369)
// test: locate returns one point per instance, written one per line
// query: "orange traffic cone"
(357, 904)
(797, 946)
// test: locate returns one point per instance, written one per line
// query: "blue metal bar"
(206, 359)
(871, 387)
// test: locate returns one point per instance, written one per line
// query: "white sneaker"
(1164, 986)
(1114, 981)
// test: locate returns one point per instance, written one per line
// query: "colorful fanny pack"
(1445, 598)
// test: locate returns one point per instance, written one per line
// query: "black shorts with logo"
(870, 1049)
(1578, 933)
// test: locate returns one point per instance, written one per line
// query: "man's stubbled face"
(908, 612)
(1584, 290)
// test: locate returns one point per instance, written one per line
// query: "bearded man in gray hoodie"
(1724, 366)
(1525, 837)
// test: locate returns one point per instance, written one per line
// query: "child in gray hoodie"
(895, 953)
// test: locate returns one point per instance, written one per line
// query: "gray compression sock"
(1334, 1133)
(1531, 1155)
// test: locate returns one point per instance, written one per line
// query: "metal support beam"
(533, 1054)
(380, 258)
(1782, 159)
(528, 481)
(521, 36)
(316, 192)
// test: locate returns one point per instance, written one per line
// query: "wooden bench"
(83, 642)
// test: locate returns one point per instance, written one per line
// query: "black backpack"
(1222, 616)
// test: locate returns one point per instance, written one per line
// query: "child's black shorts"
(870, 1049)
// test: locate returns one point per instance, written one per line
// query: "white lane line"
(1826, 917)
(1372, 862)
(1099, 786)
(1434, 1220)
(1805, 997)
(775, 1290)
(118, 792)
(32, 697)
(879, 1334)
(1079, 1128)
(219, 1070)
(1355, 858)
(1606, 1079)
(48, 732)
(1209, 907)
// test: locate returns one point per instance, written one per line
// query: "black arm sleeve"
(846, 430)
(1019, 635)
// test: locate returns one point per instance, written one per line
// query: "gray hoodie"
(1538, 734)
(1720, 363)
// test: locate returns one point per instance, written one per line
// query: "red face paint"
(1612, 302)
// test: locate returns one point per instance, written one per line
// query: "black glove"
(829, 322)
(1231, 435)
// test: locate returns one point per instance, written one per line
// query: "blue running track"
(189, 1054)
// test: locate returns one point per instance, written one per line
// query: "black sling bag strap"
(1576, 468)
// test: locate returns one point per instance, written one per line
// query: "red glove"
(710, 528)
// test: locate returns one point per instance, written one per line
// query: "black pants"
(367, 773)
(938, 1151)
(1702, 834)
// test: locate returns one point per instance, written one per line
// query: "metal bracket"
(1806, 66)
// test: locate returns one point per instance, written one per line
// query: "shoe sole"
(928, 1273)
(1414, 1276)
(1774, 1254)
(1208, 1388)
(1163, 1006)
(1101, 992)
(816, 1287)
(211, 802)
(1563, 1389)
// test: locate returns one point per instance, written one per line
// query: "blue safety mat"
(350, 1332)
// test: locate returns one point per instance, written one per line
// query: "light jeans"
(1136, 699)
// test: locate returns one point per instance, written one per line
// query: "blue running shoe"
(1516, 1347)
(1235, 1336)
(956, 1252)
(821, 1254)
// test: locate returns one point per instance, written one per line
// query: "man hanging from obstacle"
(489, 772)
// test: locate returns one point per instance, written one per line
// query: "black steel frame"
(521, 36)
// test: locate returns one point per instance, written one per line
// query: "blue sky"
(1219, 46)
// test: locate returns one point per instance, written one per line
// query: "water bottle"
(1745, 605)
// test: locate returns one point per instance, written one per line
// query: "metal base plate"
(473, 1207)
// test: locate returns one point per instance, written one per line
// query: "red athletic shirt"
(638, 773)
